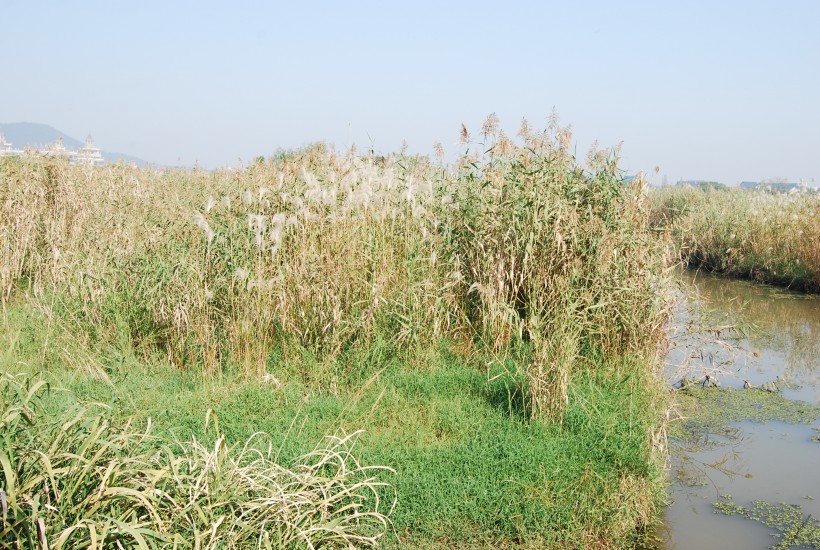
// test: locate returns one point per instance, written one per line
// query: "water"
(777, 339)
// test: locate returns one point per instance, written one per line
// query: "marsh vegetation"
(754, 436)
(491, 330)
(763, 236)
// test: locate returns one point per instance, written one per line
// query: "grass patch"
(472, 468)
(75, 480)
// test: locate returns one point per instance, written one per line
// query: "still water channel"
(760, 335)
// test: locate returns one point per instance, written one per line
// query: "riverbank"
(765, 237)
(492, 326)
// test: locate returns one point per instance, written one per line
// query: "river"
(762, 335)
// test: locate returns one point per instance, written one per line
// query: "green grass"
(472, 470)
(75, 479)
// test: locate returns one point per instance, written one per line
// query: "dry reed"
(324, 251)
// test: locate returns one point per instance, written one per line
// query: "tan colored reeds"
(764, 236)
(325, 251)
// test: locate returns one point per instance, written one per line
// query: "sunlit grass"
(79, 481)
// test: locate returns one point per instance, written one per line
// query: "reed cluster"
(555, 254)
(513, 300)
(767, 237)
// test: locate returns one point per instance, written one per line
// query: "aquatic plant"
(795, 528)
(712, 410)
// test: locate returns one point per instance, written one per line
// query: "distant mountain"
(31, 134)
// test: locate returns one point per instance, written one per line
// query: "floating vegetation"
(711, 410)
(795, 528)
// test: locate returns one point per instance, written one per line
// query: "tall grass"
(322, 252)
(212, 269)
(767, 237)
(78, 481)
(555, 254)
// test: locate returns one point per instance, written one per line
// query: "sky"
(712, 90)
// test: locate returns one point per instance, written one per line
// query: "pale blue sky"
(706, 90)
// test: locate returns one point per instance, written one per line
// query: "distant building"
(57, 149)
(6, 150)
(784, 187)
(88, 154)
(777, 187)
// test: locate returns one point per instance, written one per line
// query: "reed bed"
(326, 252)
(763, 236)
(318, 269)
(219, 268)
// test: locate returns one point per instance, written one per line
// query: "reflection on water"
(757, 334)
(763, 333)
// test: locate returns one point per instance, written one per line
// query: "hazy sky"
(706, 90)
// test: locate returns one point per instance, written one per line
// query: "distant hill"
(31, 134)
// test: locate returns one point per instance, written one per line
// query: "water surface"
(758, 334)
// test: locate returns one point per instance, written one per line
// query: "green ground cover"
(471, 468)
